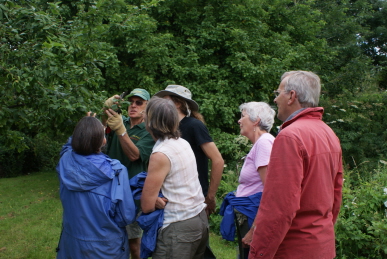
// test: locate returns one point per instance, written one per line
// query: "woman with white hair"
(256, 121)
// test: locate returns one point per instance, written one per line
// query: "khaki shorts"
(183, 239)
(134, 230)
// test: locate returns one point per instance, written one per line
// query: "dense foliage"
(61, 59)
(361, 230)
(360, 124)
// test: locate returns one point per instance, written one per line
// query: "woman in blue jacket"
(96, 197)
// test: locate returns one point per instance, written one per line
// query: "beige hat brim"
(194, 106)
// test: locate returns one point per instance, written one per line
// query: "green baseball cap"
(142, 93)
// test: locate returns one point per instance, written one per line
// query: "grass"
(221, 248)
(31, 214)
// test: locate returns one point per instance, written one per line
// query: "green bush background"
(59, 60)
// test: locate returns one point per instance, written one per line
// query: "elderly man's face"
(137, 107)
(282, 100)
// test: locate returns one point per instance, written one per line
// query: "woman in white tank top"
(172, 170)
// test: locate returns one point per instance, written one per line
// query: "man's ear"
(292, 97)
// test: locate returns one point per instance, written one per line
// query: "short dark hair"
(162, 119)
(88, 136)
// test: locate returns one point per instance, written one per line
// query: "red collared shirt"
(302, 194)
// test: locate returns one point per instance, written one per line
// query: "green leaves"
(48, 80)
(360, 125)
(362, 226)
(59, 60)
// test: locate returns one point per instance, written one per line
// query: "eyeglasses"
(277, 92)
(137, 102)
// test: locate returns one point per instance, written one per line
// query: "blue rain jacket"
(150, 222)
(97, 205)
(245, 205)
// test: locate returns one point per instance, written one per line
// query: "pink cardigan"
(302, 196)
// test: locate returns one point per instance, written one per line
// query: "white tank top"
(181, 185)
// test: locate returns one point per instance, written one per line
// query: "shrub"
(46, 151)
(12, 156)
(233, 149)
(29, 155)
(360, 125)
(361, 229)
(232, 146)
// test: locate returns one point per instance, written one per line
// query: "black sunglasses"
(137, 102)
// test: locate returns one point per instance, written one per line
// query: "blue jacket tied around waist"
(245, 205)
(150, 222)
(97, 205)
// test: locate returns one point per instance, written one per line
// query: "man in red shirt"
(302, 195)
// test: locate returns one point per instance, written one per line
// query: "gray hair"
(306, 84)
(161, 118)
(259, 110)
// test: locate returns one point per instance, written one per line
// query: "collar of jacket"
(126, 121)
(311, 112)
